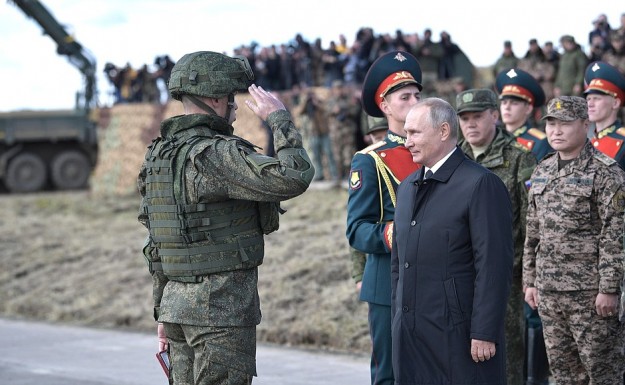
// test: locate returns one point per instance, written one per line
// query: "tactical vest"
(195, 239)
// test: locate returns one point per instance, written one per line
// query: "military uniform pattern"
(343, 113)
(574, 243)
(224, 366)
(220, 169)
(586, 335)
(514, 165)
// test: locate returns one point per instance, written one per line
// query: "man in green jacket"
(573, 63)
(208, 200)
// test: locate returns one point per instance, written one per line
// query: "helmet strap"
(230, 105)
(201, 104)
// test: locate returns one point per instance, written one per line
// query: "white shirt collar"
(440, 162)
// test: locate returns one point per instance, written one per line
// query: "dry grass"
(74, 257)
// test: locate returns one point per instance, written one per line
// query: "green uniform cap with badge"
(387, 74)
(475, 100)
(603, 78)
(518, 84)
(376, 124)
(567, 108)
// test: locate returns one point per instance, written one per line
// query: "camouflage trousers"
(208, 355)
(582, 347)
(514, 329)
(343, 139)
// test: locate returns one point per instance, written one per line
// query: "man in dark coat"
(451, 262)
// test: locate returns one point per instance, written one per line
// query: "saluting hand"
(266, 102)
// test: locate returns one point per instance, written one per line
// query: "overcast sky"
(136, 31)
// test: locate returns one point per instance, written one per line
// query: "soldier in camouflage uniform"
(208, 198)
(498, 150)
(343, 113)
(573, 256)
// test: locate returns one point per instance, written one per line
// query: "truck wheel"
(26, 173)
(70, 170)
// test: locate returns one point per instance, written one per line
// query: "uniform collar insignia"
(520, 131)
(396, 138)
(606, 131)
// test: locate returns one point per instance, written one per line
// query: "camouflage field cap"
(475, 100)
(376, 124)
(567, 108)
(209, 74)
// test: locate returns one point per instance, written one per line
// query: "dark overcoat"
(451, 269)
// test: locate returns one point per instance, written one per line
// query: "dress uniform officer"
(520, 93)
(392, 85)
(605, 94)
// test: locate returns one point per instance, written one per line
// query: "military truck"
(51, 149)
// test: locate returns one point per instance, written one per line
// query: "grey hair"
(441, 112)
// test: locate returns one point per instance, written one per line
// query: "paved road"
(39, 353)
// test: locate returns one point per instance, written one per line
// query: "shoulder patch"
(355, 179)
(536, 133)
(372, 147)
(618, 201)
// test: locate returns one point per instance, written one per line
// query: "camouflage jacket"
(514, 164)
(222, 168)
(575, 224)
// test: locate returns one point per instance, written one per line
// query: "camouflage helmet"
(209, 74)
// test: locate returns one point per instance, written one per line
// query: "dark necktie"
(428, 174)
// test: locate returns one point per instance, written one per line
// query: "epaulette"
(621, 131)
(603, 158)
(519, 146)
(372, 147)
(536, 133)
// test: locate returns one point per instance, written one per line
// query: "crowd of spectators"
(143, 85)
(334, 126)
(446, 69)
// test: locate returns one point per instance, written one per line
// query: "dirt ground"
(74, 257)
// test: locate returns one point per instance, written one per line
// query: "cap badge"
(467, 98)
(400, 57)
(402, 75)
(595, 67)
(558, 105)
(511, 74)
